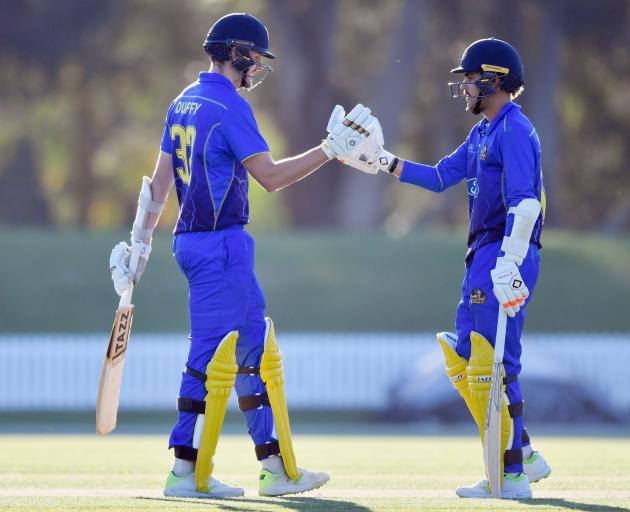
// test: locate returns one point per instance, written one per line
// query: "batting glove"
(119, 261)
(370, 156)
(119, 267)
(346, 132)
(509, 287)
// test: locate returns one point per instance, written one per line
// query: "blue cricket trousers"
(478, 311)
(224, 296)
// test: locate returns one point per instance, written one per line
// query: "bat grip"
(499, 340)
(125, 298)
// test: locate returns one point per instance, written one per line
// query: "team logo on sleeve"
(473, 187)
(478, 297)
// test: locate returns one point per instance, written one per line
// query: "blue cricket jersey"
(210, 130)
(501, 162)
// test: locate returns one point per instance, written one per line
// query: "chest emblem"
(484, 153)
(473, 187)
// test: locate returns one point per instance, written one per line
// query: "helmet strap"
(476, 108)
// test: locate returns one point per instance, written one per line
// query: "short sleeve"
(166, 139)
(241, 132)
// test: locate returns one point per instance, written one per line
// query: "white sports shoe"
(184, 487)
(514, 487)
(536, 467)
(279, 484)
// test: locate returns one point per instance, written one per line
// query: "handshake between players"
(363, 149)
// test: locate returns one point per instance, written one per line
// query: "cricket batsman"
(501, 163)
(211, 145)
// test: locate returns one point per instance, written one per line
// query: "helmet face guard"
(243, 61)
(489, 76)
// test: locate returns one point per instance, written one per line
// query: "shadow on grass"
(571, 505)
(287, 503)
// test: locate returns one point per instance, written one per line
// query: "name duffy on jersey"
(187, 107)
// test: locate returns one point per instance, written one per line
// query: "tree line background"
(86, 84)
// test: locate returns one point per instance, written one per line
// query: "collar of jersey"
(206, 76)
(508, 107)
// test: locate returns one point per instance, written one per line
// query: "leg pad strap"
(185, 404)
(247, 403)
(195, 374)
(267, 450)
(516, 409)
(250, 370)
(513, 457)
(186, 453)
(509, 378)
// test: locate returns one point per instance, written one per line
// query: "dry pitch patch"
(369, 473)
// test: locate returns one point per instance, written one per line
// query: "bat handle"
(499, 341)
(125, 298)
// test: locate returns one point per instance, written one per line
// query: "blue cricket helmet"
(494, 56)
(237, 29)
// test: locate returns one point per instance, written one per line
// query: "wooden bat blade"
(492, 433)
(111, 375)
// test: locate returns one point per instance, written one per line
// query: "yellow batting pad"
(272, 375)
(221, 373)
(456, 371)
(479, 381)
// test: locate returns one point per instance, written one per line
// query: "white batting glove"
(144, 250)
(509, 287)
(119, 267)
(346, 132)
(119, 261)
(370, 156)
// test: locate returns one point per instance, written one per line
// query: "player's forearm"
(289, 170)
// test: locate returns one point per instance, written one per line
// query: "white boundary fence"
(332, 371)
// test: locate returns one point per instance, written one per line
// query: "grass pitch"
(369, 473)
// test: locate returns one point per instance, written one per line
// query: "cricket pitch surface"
(120, 472)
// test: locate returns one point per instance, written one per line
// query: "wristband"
(393, 166)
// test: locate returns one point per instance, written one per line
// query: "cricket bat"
(492, 434)
(114, 364)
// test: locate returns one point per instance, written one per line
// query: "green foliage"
(88, 83)
(313, 281)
